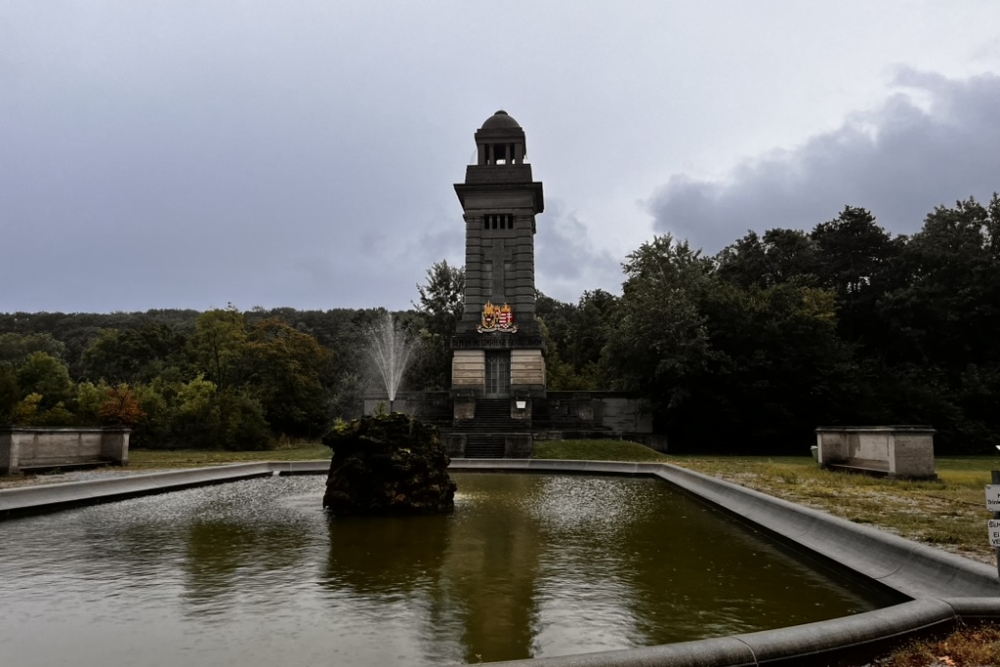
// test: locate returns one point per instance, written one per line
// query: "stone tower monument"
(497, 348)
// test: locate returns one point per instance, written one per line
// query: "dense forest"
(745, 351)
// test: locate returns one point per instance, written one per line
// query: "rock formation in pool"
(387, 465)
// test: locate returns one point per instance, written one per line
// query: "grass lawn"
(595, 450)
(966, 646)
(949, 513)
(148, 459)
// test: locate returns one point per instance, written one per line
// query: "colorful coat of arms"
(497, 319)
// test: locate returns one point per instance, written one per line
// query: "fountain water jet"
(390, 350)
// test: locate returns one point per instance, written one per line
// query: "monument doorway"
(498, 374)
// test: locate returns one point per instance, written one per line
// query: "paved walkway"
(107, 472)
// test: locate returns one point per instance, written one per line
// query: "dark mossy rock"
(387, 465)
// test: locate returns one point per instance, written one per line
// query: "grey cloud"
(566, 261)
(934, 142)
(303, 154)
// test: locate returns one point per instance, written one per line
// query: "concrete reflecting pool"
(254, 573)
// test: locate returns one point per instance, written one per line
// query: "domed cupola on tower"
(498, 345)
(500, 141)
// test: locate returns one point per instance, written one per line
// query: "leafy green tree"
(782, 255)
(589, 335)
(16, 348)
(87, 405)
(442, 298)
(46, 376)
(57, 415)
(346, 395)
(220, 346)
(939, 319)
(157, 400)
(206, 417)
(854, 259)
(555, 322)
(134, 355)
(574, 338)
(194, 419)
(440, 307)
(853, 250)
(10, 393)
(288, 371)
(776, 369)
(27, 411)
(657, 337)
(558, 317)
(242, 424)
(945, 308)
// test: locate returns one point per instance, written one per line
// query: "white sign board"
(994, 529)
(993, 497)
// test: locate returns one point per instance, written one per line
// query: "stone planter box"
(892, 451)
(38, 448)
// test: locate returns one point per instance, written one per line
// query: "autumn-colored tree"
(120, 407)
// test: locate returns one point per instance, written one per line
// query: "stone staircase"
(485, 434)
(484, 446)
(494, 413)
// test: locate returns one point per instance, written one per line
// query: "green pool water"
(255, 573)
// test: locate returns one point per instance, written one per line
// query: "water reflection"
(224, 559)
(472, 572)
(492, 565)
(386, 556)
(255, 572)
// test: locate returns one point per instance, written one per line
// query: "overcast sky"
(190, 153)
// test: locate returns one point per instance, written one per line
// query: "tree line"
(751, 349)
(744, 351)
(219, 379)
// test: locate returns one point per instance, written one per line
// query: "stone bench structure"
(905, 452)
(38, 448)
